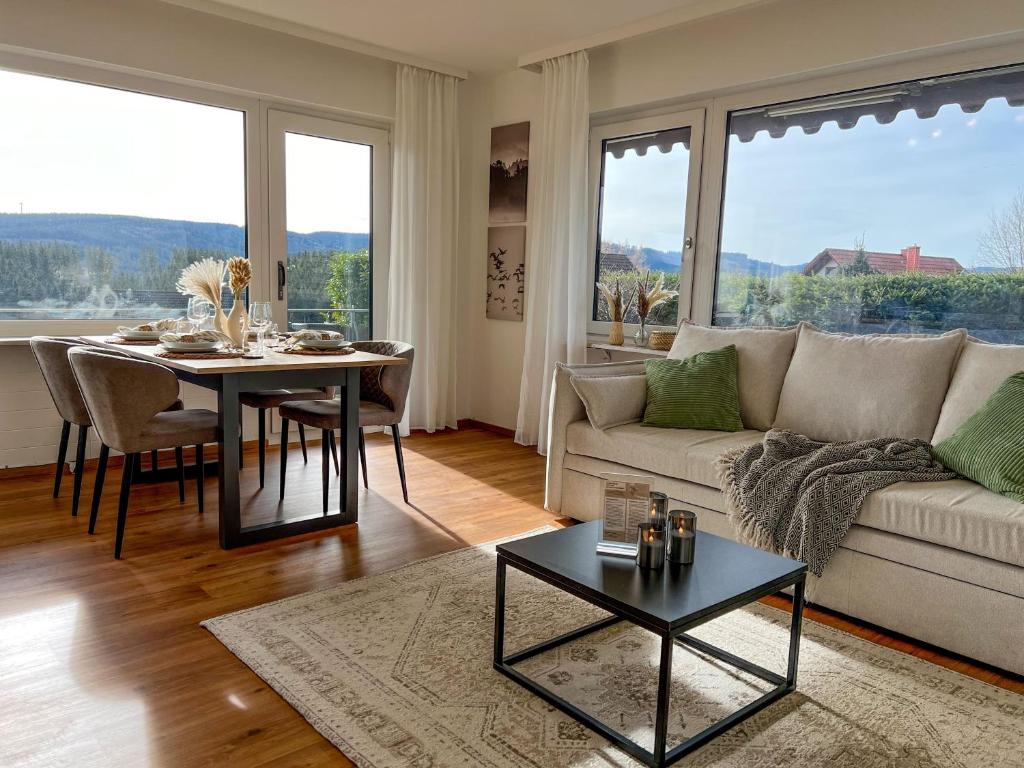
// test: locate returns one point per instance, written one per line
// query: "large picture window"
(895, 209)
(106, 194)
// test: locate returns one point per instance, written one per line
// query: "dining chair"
(383, 392)
(127, 401)
(269, 399)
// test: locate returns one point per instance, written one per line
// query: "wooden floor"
(103, 663)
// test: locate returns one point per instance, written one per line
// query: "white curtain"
(558, 290)
(424, 238)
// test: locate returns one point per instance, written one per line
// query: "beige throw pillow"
(764, 355)
(849, 387)
(612, 400)
(981, 369)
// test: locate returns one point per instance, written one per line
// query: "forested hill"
(128, 236)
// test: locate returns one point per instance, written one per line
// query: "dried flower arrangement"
(202, 279)
(239, 273)
(650, 294)
(617, 302)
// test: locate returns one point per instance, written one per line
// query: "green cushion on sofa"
(988, 448)
(699, 392)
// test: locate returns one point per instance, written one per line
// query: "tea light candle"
(682, 536)
(657, 515)
(650, 547)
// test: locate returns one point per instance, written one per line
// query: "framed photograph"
(506, 272)
(510, 161)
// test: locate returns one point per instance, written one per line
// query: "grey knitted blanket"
(798, 497)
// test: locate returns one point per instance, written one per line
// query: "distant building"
(831, 260)
(615, 262)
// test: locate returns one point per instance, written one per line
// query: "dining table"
(229, 377)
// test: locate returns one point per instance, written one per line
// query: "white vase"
(220, 320)
(235, 324)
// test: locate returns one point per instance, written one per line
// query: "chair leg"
(83, 436)
(302, 442)
(262, 416)
(401, 461)
(362, 457)
(179, 463)
(130, 460)
(200, 477)
(97, 489)
(153, 461)
(284, 452)
(62, 455)
(325, 450)
(334, 451)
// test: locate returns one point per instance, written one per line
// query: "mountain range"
(730, 261)
(127, 236)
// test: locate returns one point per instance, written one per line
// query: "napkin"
(160, 325)
(307, 334)
(198, 336)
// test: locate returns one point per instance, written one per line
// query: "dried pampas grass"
(618, 304)
(202, 279)
(240, 273)
(649, 295)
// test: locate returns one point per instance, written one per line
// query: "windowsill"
(14, 341)
(629, 349)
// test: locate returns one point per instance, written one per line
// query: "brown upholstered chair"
(272, 398)
(51, 354)
(128, 400)
(383, 392)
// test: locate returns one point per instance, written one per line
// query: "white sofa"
(941, 562)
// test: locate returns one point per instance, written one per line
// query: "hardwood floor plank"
(104, 662)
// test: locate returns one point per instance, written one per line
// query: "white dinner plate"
(139, 335)
(190, 346)
(322, 343)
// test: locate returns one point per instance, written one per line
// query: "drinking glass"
(259, 321)
(199, 310)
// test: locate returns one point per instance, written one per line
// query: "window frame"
(694, 119)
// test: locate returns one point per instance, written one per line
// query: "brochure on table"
(627, 499)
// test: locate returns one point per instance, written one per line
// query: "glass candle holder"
(650, 547)
(682, 536)
(658, 514)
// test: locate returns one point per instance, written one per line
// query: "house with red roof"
(831, 260)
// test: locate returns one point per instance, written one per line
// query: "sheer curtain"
(557, 293)
(424, 236)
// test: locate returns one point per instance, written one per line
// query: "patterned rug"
(395, 670)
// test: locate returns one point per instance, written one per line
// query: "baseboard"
(474, 424)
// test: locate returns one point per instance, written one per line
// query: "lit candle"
(682, 536)
(650, 547)
(659, 505)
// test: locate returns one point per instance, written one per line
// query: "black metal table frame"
(228, 387)
(676, 633)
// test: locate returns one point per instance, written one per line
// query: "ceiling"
(483, 36)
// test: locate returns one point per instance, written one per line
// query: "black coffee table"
(724, 576)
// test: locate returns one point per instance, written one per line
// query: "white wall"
(168, 41)
(770, 43)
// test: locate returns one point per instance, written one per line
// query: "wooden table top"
(271, 361)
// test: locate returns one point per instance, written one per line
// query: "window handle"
(281, 272)
(688, 242)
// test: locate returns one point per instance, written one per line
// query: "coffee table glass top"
(723, 573)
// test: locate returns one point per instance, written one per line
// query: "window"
(895, 209)
(649, 171)
(106, 194)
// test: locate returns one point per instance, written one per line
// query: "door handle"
(281, 280)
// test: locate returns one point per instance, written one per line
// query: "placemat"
(307, 351)
(132, 342)
(200, 355)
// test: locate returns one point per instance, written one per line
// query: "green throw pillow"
(700, 392)
(988, 448)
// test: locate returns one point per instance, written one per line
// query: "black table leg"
(350, 446)
(664, 692)
(499, 613)
(228, 452)
(794, 632)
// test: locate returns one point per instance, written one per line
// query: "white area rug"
(395, 670)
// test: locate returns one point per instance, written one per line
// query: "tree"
(349, 288)
(1002, 245)
(859, 265)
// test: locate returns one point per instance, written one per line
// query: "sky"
(72, 148)
(931, 182)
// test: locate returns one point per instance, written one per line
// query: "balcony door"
(328, 219)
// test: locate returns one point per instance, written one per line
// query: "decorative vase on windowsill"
(648, 296)
(642, 338)
(617, 305)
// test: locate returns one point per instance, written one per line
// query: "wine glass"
(259, 320)
(199, 310)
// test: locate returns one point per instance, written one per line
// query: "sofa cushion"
(954, 513)
(980, 370)
(699, 392)
(845, 387)
(764, 355)
(687, 454)
(611, 400)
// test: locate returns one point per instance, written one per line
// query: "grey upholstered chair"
(383, 392)
(127, 400)
(272, 398)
